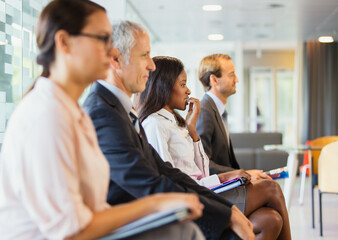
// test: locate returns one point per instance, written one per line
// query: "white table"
(292, 165)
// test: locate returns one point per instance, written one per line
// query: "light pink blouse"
(53, 175)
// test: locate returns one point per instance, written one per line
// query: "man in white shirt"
(136, 168)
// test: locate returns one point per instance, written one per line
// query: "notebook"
(149, 222)
(278, 173)
(225, 186)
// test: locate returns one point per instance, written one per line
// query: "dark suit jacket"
(136, 168)
(211, 130)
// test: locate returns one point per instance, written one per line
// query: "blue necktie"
(135, 121)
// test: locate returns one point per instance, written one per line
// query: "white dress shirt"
(124, 99)
(174, 145)
(53, 174)
(219, 104)
(119, 94)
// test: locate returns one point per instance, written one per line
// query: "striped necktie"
(134, 120)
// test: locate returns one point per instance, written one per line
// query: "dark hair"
(159, 87)
(69, 15)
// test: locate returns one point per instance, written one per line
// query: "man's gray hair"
(124, 37)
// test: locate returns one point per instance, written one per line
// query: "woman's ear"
(116, 58)
(62, 41)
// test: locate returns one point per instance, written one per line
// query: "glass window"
(271, 101)
(262, 99)
(285, 121)
(18, 50)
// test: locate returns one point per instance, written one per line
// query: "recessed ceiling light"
(275, 5)
(325, 39)
(215, 37)
(212, 8)
(3, 42)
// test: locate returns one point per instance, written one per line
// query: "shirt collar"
(219, 104)
(121, 96)
(44, 84)
(166, 114)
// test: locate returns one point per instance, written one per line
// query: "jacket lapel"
(113, 101)
(218, 117)
(108, 96)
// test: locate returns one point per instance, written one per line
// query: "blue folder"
(229, 185)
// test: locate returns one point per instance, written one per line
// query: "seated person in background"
(217, 74)
(166, 91)
(136, 170)
(53, 175)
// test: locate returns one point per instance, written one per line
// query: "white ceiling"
(239, 20)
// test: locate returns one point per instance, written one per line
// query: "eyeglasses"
(107, 40)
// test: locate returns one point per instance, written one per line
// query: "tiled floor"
(300, 216)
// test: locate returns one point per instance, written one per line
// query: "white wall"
(191, 53)
(116, 10)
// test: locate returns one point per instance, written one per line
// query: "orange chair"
(306, 160)
(316, 146)
(305, 170)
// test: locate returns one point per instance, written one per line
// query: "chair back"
(319, 143)
(327, 168)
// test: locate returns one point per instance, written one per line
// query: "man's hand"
(257, 174)
(241, 225)
(226, 176)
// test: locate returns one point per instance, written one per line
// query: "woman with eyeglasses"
(53, 175)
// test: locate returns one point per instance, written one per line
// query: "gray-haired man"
(136, 168)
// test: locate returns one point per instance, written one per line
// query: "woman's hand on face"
(193, 111)
(167, 201)
(192, 116)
